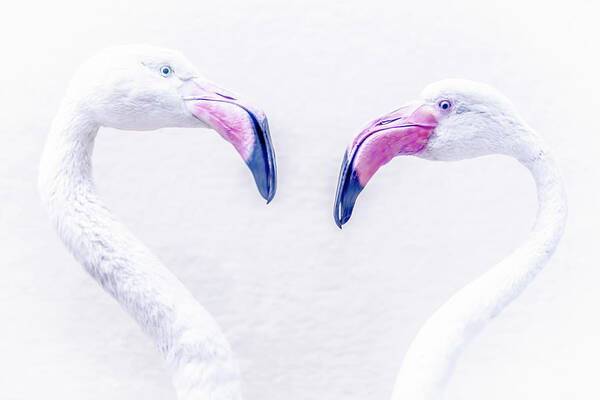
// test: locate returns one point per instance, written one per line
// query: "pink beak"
(404, 131)
(244, 126)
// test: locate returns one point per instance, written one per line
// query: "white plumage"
(454, 120)
(123, 88)
(484, 122)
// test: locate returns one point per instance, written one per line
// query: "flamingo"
(453, 120)
(140, 87)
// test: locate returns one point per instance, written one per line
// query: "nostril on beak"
(388, 121)
(224, 96)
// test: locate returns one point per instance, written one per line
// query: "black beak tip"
(269, 197)
(348, 190)
(263, 176)
(269, 193)
(262, 160)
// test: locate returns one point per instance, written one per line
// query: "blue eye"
(445, 104)
(165, 70)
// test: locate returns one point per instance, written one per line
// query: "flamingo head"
(453, 119)
(147, 88)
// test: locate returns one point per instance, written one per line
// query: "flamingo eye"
(165, 70)
(445, 104)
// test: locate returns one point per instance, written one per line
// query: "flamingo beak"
(404, 131)
(242, 125)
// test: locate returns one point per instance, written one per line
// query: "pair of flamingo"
(145, 88)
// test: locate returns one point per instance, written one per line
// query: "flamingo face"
(454, 119)
(147, 88)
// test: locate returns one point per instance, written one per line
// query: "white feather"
(121, 88)
(483, 122)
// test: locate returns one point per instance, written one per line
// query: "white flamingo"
(144, 88)
(454, 120)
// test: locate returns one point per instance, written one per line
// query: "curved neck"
(194, 347)
(431, 356)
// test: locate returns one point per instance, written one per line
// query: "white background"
(312, 312)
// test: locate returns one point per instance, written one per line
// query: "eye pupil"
(165, 70)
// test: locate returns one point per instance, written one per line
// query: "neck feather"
(194, 347)
(431, 356)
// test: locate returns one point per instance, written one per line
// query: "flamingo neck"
(431, 356)
(192, 343)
